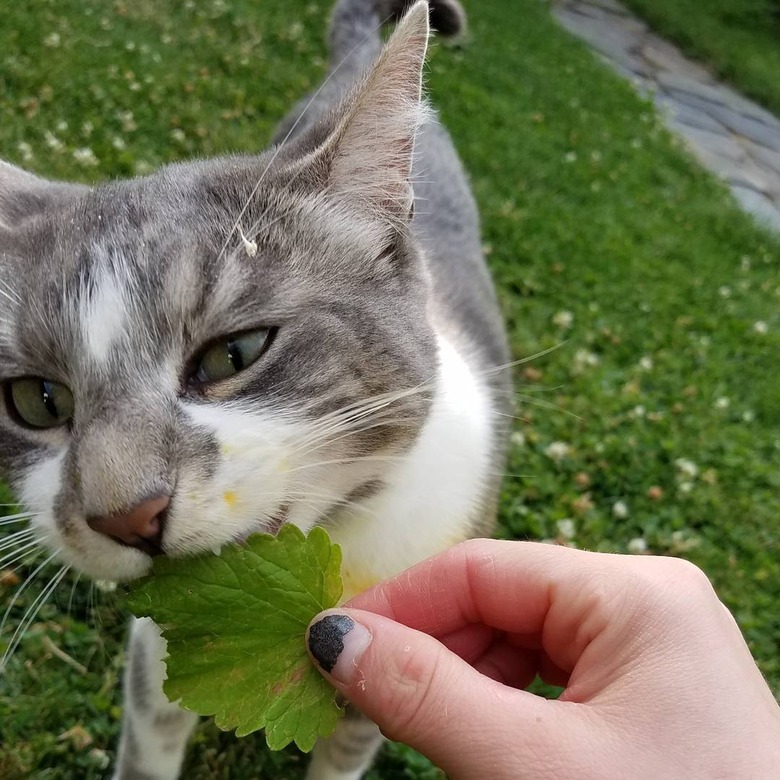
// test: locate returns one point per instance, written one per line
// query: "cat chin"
(123, 565)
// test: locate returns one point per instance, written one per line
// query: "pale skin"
(658, 681)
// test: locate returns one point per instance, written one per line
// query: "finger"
(420, 693)
(508, 665)
(528, 590)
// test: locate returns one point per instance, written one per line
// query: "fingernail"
(336, 643)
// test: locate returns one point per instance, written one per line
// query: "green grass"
(591, 214)
(739, 39)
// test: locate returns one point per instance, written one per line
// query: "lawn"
(737, 38)
(653, 425)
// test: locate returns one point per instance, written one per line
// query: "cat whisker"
(13, 539)
(73, 592)
(22, 588)
(334, 501)
(522, 361)
(339, 420)
(342, 461)
(18, 518)
(29, 616)
(20, 553)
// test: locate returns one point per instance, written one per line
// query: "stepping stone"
(730, 135)
(759, 206)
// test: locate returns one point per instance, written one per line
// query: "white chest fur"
(433, 492)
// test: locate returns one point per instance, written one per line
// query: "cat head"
(222, 346)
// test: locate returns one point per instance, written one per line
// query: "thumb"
(417, 691)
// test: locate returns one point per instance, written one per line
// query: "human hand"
(659, 682)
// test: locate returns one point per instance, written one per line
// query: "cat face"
(243, 341)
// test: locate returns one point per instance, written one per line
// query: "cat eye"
(39, 403)
(232, 354)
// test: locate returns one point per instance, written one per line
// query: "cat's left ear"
(368, 156)
(24, 196)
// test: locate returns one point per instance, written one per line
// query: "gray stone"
(609, 5)
(684, 114)
(747, 107)
(750, 128)
(717, 94)
(730, 135)
(713, 143)
(743, 174)
(746, 126)
(607, 39)
(644, 85)
(677, 82)
(766, 158)
(663, 56)
(631, 62)
(764, 211)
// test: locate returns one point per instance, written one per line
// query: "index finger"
(540, 594)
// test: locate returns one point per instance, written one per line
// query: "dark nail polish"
(326, 639)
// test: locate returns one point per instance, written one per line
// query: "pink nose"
(140, 527)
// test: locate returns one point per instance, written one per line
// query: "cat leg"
(154, 731)
(349, 752)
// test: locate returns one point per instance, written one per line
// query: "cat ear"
(24, 196)
(369, 153)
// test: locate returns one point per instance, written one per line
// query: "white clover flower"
(118, 143)
(85, 156)
(178, 134)
(25, 150)
(583, 359)
(127, 121)
(563, 319)
(566, 528)
(52, 41)
(570, 157)
(724, 291)
(620, 510)
(686, 468)
(637, 546)
(53, 142)
(638, 411)
(646, 363)
(517, 439)
(722, 402)
(685, 486)
(748, 416)
(745, 263)
(760, 327)
(557, 451)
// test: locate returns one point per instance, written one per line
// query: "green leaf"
(235, 626)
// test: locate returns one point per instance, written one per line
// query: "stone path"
(730, 135)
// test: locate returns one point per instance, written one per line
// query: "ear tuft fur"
(24, 196)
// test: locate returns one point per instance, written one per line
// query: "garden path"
(730, 135)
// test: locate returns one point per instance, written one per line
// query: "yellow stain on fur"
(356, 582)
(230, 498)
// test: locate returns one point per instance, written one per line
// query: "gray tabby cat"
(229, 345)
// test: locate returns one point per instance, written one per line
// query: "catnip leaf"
(235, 626)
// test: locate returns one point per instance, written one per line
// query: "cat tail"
(355, 25)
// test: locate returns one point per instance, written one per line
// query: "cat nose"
(140, 527)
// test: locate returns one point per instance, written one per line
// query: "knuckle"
(675, 586)
(411, 698)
